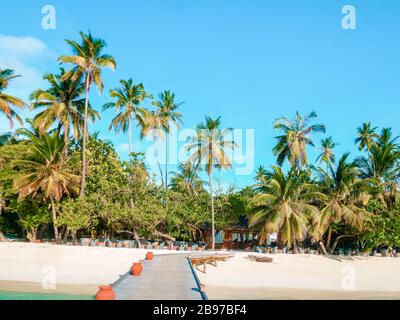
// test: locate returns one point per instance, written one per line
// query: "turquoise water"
(41, 296)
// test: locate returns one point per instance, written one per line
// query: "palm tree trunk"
(328, 240)
(66, 141)
(130, 139)
(166, 160)
(53, 209)
(83, 182)
(158, 161)
(212, 212)
(295, 249)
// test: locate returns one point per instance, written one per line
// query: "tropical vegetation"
(60, 181)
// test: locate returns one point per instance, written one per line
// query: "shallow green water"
(41, 296)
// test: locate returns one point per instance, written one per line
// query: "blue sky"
(248, 61)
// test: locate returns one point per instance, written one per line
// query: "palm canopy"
(154, 124)
(167, 107)
(282, 207)
(261, 174)
(291, 145)
(43, 171)
(128, 104)
(327, 155)
(366, 136)
(344, 196)
(63, 105)
(8, 102)
(210, 144)
(383, 159)
(89, 59)
(186, 179)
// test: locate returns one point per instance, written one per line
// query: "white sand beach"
(76, 269)
(304, 277)
(80, 270)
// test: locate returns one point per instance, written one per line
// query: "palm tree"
(283, 209)
(291, 145)
(366, 136)
(128, 105)
(209, 147)
(261, 174)
(382, 166)
(44, 173)
(63, 105)
(7, 102)
(168, 109)
(382, 162)
(327, 155)
(88, 60)
(154, 124)
(344, 195)
(187, 179)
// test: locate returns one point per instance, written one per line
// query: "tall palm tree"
(7, 102)
(366, 136)
(154, 124)
(282, 208)
(63, 105)
(344, 195)
(44, 173)
(168, 109)
(291, 145)
(382, 165)
(128, 105)
(186, 179)
(209, 147)
(327, 155)
(89, 60)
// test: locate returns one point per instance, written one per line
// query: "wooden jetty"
(166, 277)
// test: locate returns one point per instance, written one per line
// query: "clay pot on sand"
(149, 255)
(137, 269)
(105, 293)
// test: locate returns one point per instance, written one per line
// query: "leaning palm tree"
(88, 60)
(154, 124)
(63, 106)
(168, 109)
(186, 179)
(282, 208)
(7, 102)
(344, 197)
(209, 147)
(128, 105)
(366, 136)
(291, 145)
(327, 155)
(44, 173)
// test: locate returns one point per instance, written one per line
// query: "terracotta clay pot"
(105, 293)
(149, 256)
(137, 269)
(38, 241)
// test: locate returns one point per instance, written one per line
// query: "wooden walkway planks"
(166, 277)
